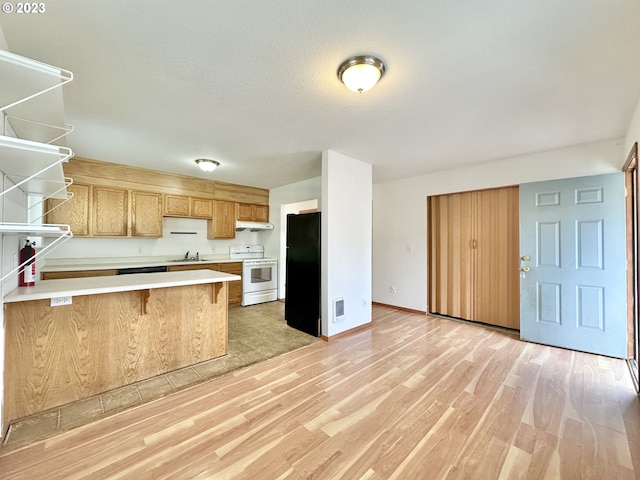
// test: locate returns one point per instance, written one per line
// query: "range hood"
(253, 226)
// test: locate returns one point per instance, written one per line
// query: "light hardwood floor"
(413, 397)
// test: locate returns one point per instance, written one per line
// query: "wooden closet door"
(451, 283)
(497, 258)
(474, 256)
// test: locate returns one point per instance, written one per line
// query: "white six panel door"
(574, 292)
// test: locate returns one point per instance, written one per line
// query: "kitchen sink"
(187, 260)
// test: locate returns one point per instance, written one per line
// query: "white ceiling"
(253, 83)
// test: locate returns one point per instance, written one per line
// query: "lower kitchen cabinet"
(235, 268)
(77, 274)
(235, 288)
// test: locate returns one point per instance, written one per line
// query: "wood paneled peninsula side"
(117, 330)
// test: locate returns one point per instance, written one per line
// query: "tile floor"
(256, 333)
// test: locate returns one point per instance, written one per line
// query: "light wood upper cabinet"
(260, 213)
(201, 207)
(249, 212)
(223, 224)
(244, 212)
(176, 205)
(474, 256)
(146, 214)
(187, 207)
(74, 212)
(110, 212)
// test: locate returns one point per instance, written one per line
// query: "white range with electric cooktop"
(259, 274)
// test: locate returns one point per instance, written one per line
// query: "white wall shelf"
(36, 131)
(27, 229)
(37, 166)
(24, 79)
(60, 233)
(32, 115)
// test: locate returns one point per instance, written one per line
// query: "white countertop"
(114, 263)
(69, 287)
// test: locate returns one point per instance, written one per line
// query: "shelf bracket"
(144, 300)
(217, 289)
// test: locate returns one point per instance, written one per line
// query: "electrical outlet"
(140, 250)
(57, 301)
(392, 289)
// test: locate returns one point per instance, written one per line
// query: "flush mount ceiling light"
(207, 165)
(361, 73)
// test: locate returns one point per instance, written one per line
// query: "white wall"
(400, 215)
(346, 240)
(295, 193)
(633, 132)
(170, 245)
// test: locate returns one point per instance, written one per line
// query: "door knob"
(525, 269)
(525, 258)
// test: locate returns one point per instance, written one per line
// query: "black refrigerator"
(302, 287)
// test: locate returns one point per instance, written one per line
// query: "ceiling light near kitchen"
(207, 165)
(361, 73)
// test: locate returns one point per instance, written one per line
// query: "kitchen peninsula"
(69, 339)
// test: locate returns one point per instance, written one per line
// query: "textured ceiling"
(253, 84)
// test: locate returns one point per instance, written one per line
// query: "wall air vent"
(338, 310)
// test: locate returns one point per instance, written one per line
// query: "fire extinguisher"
(28, 273)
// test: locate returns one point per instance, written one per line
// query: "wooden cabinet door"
(260, 213)
(235, 287)
(146, 214)
(110, 212)
(474, 256)
(74, 212)
(176, 205)
(245, 212)
(497, 257)
(223, 224)
(451, 223)
(193, 266)
(253, 213)
(201, 207)
(77, 274)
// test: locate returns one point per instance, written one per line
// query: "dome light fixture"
(207, 165)
(361, 72)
